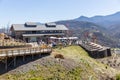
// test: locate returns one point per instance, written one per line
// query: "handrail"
(23, 51)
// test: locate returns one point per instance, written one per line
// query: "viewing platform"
(95, 50)
(5, 54)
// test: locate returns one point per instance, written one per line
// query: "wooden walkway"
(7, 53)
(22, 51)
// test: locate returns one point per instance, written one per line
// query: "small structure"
(65, 40)
(96, 50)
(33, 32)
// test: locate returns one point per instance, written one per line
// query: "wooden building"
(32, 32)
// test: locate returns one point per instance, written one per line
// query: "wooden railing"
(23, 51)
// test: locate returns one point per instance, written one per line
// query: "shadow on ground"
(19, 62)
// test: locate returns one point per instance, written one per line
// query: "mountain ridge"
(79, 28)
(108, 27)
(105, 21)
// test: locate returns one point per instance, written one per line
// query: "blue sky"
(20, 11)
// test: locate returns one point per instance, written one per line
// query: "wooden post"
(19, 51)
(33, 53)
(30, 50)
(14, 61)
(23, 55)
(23, 58)
(43, 50)
(12, 53)
(39, 52)
(6, 65)
(32, 56)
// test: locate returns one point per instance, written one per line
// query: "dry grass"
(11, 43)
(6, 40)
(85, 68)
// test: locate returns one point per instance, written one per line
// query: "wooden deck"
(7, 53)
(23, 51)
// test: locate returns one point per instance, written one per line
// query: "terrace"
(12, 48)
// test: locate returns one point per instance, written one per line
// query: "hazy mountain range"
(106, 28)
(105, 21)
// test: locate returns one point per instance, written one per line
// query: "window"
(33, 32)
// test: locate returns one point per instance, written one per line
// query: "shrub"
(59, 56)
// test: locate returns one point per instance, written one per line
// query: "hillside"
(79, 28)
(110, 22)
(76, 65)
(116, 29)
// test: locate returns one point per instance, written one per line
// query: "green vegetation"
(118, 77)
(77, 65)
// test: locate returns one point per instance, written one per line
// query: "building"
(32, 32)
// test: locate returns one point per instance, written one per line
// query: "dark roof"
(34, 27)
(30, 24)
(50, 24)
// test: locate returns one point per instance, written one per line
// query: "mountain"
(110, 22)
(105, 21)
(80, 28)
